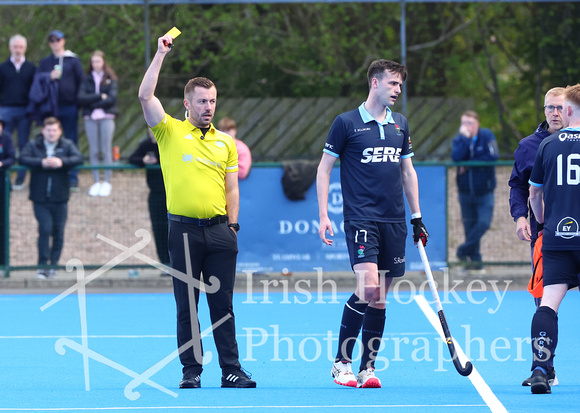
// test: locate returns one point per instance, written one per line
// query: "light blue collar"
(50, 147)
(366, 116)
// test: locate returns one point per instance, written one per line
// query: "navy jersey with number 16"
(557, 170)
(370, 164)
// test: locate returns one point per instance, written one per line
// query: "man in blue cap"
(65, 68)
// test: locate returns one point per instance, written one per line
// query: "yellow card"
(174, 32)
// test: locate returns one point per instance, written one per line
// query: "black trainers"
(552, 379)
(190, 380)
(238, 378)
(540, 383)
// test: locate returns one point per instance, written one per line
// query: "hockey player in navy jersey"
(375, 151)
(524, 158)
(554, 195)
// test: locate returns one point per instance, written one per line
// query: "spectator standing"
(376, 174)
(554, 194)
(475, 185)
(147, 154)
(7, 157)
(66, 69)
(228, 125)
(50, 157)
(98, 100)
(16, 75)
(200, 170)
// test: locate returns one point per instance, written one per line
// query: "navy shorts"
(561, 267)
(377, 242)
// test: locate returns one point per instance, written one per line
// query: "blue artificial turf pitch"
(287, 342)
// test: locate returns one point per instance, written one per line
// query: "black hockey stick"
(464, 371)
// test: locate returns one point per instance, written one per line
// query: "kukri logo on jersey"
(381, 154)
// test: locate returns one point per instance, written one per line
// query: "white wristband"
(416, 215)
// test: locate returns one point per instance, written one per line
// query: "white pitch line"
(132, 336)
(71, 336)
(480, 385)
(164, 408)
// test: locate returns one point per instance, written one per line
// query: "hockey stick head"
(464, 371)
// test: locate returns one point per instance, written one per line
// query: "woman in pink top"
(228, 125)
(98, 100)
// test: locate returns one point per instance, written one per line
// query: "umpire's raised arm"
(152, 107)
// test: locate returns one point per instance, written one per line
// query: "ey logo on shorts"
(361, 251)
(567, 228)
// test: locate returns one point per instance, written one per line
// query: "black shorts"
(561, 267)
(377, 242)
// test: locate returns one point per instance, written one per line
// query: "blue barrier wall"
(277, 233)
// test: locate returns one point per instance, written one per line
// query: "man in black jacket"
(16, 74)
(147, 154)
(50, 157)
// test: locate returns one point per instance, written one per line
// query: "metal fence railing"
(118, 216)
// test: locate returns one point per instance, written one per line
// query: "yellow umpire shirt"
(194, 167)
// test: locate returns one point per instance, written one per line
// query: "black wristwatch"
(235, 226)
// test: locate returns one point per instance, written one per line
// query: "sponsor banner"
(279, 235)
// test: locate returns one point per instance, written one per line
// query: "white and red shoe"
(343, 375)
(366, 379)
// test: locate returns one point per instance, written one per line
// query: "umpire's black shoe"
(540, 383)
(552, 379)
(238, 379)
(190, 380)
